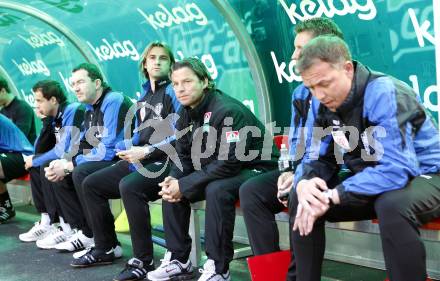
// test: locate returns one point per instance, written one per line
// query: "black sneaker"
(6, 214)
(134, 270)
(94, 257)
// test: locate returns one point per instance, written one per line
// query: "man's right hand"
(285, 182)
(310, 195)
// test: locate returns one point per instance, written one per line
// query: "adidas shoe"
(172, 269)
(6, 214)
(37, 232)
(94, 257)
(208, 273)
(134, 270)
(118, 251)
(54, 237)
(78, 241)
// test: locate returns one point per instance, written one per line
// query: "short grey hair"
(326, 48)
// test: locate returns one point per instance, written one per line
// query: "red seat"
(26, 177)
(280, 139)
(271, 266)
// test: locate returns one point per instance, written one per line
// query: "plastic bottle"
(284, 160)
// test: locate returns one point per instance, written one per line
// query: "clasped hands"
(170, 190)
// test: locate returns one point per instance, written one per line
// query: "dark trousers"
(70, 197)
(259, 203)
(43, 194)
(400, 213)
(220, 196)
(136, 191)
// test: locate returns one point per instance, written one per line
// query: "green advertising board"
(245, 44)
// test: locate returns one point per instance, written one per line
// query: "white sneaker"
(208, 273)
(171, 269)
(117, 251)
(56, 236)
(78, 241)
(37, 232)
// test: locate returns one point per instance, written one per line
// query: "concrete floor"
(24, 261)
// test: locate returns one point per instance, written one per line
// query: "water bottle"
(284, 160)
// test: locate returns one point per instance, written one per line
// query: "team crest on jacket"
(207, 117)
(157, 110)
(232, 136)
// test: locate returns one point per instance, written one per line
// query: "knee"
(125, 188)
(216, 192)
(87, 185)
(250, 198)
(247, 194)
(78, 175)
(389, 204)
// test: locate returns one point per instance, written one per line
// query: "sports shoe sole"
(180, 277)
(92, 264)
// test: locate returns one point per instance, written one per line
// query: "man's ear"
(53, 100)
(349, 68)
(98, 83)
(205, 83)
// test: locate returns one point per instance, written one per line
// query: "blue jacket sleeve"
(396, 159)
(64, 144)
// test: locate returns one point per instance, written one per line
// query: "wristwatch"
(66, 171)
(329, 194)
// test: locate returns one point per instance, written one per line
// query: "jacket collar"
(360, 80)
(158, 84)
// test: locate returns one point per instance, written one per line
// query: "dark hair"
(49, 89)
(319, 26)
(326, 48)
(4, 84)
(199, 69)
(93, 72)
(148, 49)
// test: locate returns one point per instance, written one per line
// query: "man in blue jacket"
(103, 127)
(13, 145)
(62, 121)
(129, 177)
(375, 126)
(21, 114)
(258, 195)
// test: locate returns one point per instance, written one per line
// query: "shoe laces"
(35, 227)
(76, 234)
(208, 268)
(166, 260)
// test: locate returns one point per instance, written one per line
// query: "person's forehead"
(158, 51)
(80, 74)
(183, 72)
(303, 38)
(316, 73)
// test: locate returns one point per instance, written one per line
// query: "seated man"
(263, 196)
(60, 116)
(137, 185)
(392, 150)
(21, 114)
(19, 111)
(216, 134)
(13, 145)
(103, 127)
